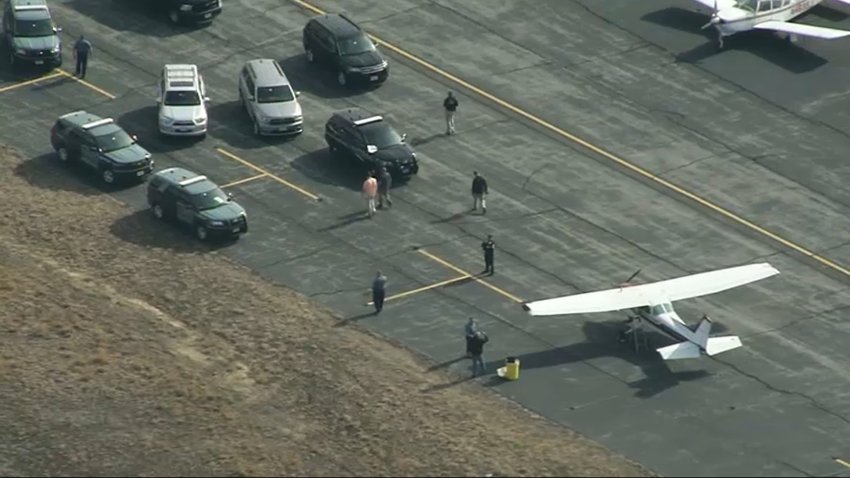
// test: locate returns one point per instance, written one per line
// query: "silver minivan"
(269, 99)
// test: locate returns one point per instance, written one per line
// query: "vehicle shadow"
(18, 73)
(143, 123)
(131, 15)
(319, 80)
(46, 172)
(142, 229)
(231, 124)
(603, 341)
(324, 167)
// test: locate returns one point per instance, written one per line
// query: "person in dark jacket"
(479, 192)
(476, 349)
(385, 182)
(450, 104)
(82, 50)
(469, 332)
(379, 291)
(489, 248)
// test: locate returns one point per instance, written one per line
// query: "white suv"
(182, 99)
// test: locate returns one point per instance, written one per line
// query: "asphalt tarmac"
(686, 161)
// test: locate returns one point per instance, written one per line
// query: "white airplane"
(653, 303)
(732, 16)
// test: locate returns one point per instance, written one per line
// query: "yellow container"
(512, 368)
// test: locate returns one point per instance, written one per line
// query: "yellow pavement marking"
(30, 82)
(842, 462)
(598, 150)
(472, 276)
(243, 181)
(423, 289)
(263, 171)
(86, 83)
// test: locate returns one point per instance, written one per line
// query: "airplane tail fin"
(682, 350)
(702, 331)
(718, 345)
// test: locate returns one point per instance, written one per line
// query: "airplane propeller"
(629, 280)
(715, 17)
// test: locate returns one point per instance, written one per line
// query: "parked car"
(269, 99)
(30, 34)
(100, 145)
(371, 142)
(195, 202)
(336, 41)
(182, 99)
(189, 11)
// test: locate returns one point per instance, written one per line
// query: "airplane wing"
(805, 30)
(721, 4)
(686, 287)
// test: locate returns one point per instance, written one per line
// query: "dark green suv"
(100, 144)
(30, 33)
(196, 202)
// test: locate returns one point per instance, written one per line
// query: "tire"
(158, 212)
(107, 176)
(62, 154)
(341, 78)
(308, 53)
(201, 233)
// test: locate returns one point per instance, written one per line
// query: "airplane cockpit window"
(747, 5)
(657, 309)
(765, 5)
(668, 308)
(779, 3)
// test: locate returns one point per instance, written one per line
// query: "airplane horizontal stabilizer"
(801, 29)
(718, 345)
(682, 350)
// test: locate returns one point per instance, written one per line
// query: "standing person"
(489, 248)
(469, 331)
(385, 182)
(82, 50)
(479, 192)
(476, 348)
(379, 284)
(370, 190)
(450, 104)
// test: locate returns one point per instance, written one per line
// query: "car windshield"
(274, 94)
(381, 135)
(113, 141)
(356, 45)
(34, 28)
(182, 98)
(209, 199)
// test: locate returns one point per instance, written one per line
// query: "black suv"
(196, 202)
(100, 144)
(189, 11)
(336, 41)
(30, 33)
(371, 141)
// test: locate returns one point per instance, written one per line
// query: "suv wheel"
(341, 78)
(201, 233)
(62, 153)
(174, 16)
(311, 57)
(158, 212)
(108, 176)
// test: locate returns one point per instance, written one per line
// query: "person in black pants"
(82, 49)
(379, 291)
(450, 104)
(489, 248)
(479, 192)
(476, 349)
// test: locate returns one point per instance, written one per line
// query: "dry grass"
(129, 359)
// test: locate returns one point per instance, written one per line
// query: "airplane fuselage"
(664, 318)
(746, 17)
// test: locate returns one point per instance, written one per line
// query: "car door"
(184, 211)
(89, 153)
(355, 142)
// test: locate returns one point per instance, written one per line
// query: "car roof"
(181, 77)
(338, 24)
(359, 117)
(192, 182)
(80, 118)
(36, 13)
(21, 3)
(267, 72)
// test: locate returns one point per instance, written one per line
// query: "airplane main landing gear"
(634, 326)
(719, 40)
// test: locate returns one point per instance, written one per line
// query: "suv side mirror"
(230, 196)
(404, 136)
(297, 94)
(57, 29)
(371, 149)
(207, 99)
(135, 138)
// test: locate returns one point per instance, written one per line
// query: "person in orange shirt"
(370, 192)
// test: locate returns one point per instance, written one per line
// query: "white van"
(182, 99)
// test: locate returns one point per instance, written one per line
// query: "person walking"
(476, 349)
(370, 190)
(469, 331)
(479, 192)
(489, 248)
(82, 50)
(450, 104)
(379, 284)
(385, 182)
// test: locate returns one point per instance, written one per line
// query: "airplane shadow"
(765, 44)
(602, 341)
